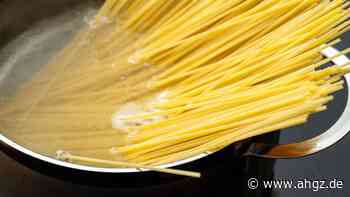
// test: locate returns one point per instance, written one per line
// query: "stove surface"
(18, 180)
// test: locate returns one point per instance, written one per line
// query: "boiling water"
(60, 92)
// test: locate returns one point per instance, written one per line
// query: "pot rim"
(54, 161)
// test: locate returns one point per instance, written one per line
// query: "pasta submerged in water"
(162, 81)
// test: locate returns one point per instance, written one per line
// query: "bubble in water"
(118, 121)
(135, 58)
(163, 97)
(132, 59)
(123, 77)
(116, 153)
(89, 19)
(63, 155)
(105, 20)
(114, 150)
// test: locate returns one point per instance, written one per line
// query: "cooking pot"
(27, 24)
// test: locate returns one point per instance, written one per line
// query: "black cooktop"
(225, 176)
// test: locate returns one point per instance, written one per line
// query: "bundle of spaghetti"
(235, 80)
(104, 73)
(229, 117)
(198, 74)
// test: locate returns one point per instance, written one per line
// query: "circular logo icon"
(253, 183)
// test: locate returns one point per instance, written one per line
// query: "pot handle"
(316, 144)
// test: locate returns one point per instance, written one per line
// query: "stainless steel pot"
(18, 16)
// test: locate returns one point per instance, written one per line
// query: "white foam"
(126, 110)
(119, 122)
